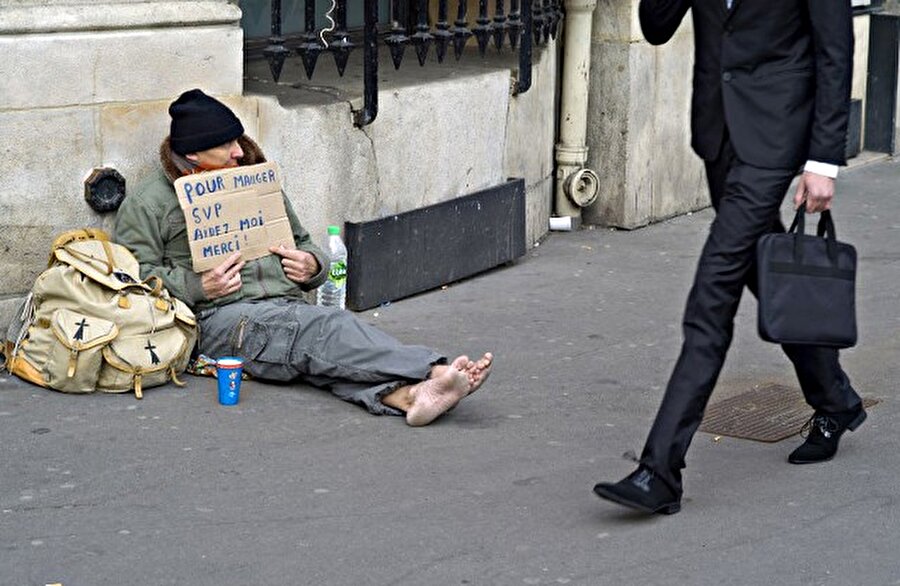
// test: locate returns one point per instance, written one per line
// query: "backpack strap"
(156, 283)
(108, 260)
(138, 392)
(174, 377)
(74, 236)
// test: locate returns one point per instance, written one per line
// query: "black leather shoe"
(641, 490)
(824, 432)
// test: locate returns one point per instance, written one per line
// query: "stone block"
(42, 16)
(678, 180)
(131, 133)
(531, 127)
(329, 165)
(49, 152)
(608, 127)
(66, 69)
(615, 20)
(860, 63)
(430, 148)
(422, 149)
(639, 132)
(130, 136)
(538, 204)
(643, 156)
(860, 56)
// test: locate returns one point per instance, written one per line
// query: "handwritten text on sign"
(233, 210)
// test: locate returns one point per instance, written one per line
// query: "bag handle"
(798, 227)
(156, 284)
(825, 229)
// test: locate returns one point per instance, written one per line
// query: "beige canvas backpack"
(90, 324)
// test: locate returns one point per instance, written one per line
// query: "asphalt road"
(293, 486)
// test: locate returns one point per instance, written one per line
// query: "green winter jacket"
(151, 224)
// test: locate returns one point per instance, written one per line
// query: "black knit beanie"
(200, 122)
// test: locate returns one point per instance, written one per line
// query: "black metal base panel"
(408, 253)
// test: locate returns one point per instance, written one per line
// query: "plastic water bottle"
(333, 292)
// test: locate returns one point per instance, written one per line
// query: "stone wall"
(423, 148)
(85, 84)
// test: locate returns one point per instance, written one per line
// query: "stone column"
(638, 122)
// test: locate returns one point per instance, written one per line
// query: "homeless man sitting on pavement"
(255, 309)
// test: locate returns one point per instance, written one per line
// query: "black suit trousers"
(747, 201)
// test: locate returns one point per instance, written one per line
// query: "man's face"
(220, 157)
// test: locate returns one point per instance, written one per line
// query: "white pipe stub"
(582, 187)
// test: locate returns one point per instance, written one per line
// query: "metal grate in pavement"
(768, 413)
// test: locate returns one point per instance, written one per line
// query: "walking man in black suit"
(771, 95)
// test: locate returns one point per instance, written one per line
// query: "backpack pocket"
(142, 360)
(74, 356)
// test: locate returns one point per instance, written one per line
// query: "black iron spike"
(310, 49)
(549, 13)
(276, 53)
(514, 25)
(309, 52)
(483, 27)
(342, 46)
(422, 39)
(341, 50)
(397, 40)
(554, 18)
(442, 36)
(558, 18)
(500, 25)
(460, 30)
(537, 20)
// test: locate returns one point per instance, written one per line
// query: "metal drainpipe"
(576, 186)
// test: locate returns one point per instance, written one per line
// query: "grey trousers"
(285, 340)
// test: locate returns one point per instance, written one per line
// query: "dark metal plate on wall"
(408, 253)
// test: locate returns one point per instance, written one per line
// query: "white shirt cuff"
(819, 168)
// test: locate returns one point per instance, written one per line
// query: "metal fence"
(526, 23)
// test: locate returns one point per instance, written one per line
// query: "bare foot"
(478, 372)
(440, 393)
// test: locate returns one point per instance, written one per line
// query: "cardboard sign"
(233, 210)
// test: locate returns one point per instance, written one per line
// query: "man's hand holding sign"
(299, 265)
(223, 280)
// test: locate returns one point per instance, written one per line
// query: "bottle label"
(337, 274)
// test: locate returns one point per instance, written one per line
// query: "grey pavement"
(293, 486)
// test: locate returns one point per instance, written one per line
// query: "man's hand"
(223, 280)
(816, 190)
(299, 266)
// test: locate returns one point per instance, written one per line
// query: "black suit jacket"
(775, 73)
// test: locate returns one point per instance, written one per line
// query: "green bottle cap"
(333, 230)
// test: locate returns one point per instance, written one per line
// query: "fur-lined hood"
(253, 155)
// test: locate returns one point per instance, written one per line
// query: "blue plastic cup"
(228, 372)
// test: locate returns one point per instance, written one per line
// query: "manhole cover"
(769, 413)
